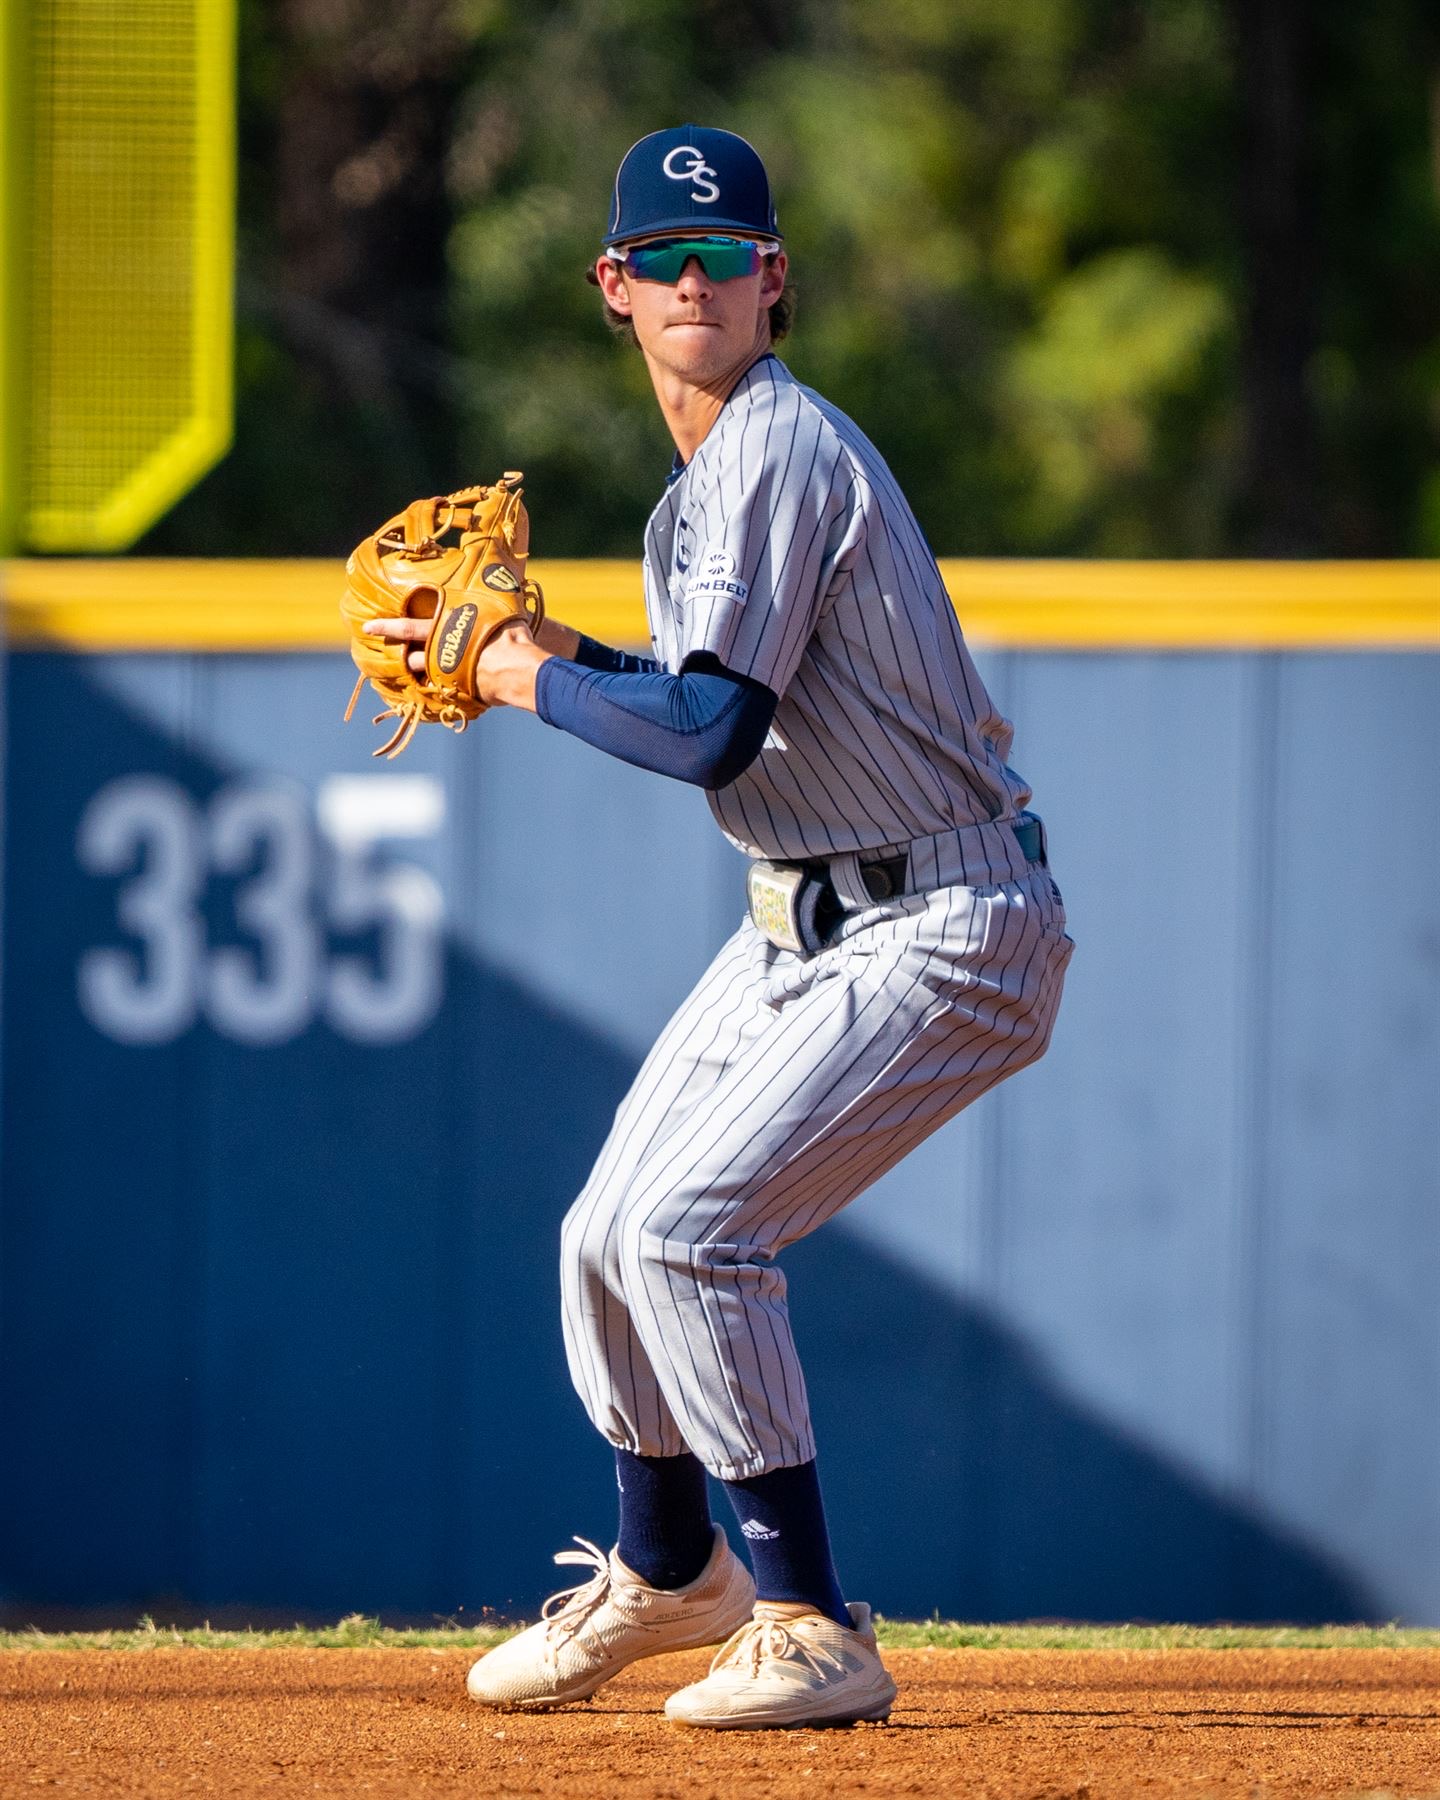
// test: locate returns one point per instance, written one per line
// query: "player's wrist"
(558, 639)
(508, 668)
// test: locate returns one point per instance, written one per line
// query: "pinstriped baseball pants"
(778, 1092)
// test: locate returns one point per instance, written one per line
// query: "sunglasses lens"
(721, 258)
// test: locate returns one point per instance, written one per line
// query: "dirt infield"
(988, 1723)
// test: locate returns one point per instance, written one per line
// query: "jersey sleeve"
(772, 514)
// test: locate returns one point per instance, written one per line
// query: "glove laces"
(760, 1639)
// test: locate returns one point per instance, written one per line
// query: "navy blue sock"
(782, 1518)
(666, 1535)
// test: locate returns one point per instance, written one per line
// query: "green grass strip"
(899, 1634)
(360, 1633)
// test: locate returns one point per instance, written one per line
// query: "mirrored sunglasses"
(723, 259)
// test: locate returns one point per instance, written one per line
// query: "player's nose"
(693, 279)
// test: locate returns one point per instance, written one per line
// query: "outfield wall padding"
(305, 1057)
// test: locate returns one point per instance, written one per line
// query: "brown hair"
(782, 313)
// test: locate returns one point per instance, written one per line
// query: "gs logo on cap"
(695, 169)
(689, 175)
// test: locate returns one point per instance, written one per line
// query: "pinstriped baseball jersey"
(786, 549)
(786, 1084)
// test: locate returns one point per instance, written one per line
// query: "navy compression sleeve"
(704, 725)
(592, 654)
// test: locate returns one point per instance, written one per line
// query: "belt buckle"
(773, 890)
(788, 905)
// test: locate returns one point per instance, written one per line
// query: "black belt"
(883, 880)
(886, 878)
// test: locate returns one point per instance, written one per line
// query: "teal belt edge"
(1030, 836)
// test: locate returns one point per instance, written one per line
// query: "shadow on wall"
(962, 1479)
(279, 1328)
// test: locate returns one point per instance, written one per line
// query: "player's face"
(696, 327)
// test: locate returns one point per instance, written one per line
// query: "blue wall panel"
(1119, 1202)
(1345, 1432)
(1155, 1322)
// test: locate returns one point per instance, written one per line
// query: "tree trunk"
(364, 118)
(1278, 501)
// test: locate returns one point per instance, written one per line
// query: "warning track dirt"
(995, 1724)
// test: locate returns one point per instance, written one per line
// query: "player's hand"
(497, 660)
(403, 631)
(510, 655)
(558, 639)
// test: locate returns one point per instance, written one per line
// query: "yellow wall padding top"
(138, 604)
(128, 267)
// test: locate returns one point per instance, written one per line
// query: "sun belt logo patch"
(696, 169)
(717, 564)
(498, 576)
(713, 577)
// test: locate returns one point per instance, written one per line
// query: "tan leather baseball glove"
(459, 561)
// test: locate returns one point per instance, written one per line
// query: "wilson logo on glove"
(458, 562)
(456, 636)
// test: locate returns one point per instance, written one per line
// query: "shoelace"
(759, 1639)
(564, 1613)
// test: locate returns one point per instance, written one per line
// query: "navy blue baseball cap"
(691, 178)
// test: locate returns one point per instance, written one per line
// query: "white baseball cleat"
(790, 1665)
(589, 1633)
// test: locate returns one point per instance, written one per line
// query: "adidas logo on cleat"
(752, 1528)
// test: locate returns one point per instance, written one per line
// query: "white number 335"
(298, 878)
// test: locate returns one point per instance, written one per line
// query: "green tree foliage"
(1019, 233)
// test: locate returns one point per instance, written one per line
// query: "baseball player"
(904, 950)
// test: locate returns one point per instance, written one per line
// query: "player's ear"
(610, 279)
(772, 280)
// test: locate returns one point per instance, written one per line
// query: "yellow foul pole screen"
(128, 221)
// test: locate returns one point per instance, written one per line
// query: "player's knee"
(658, 1254)
(648, 1256)
(584, 1234)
